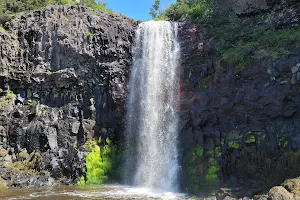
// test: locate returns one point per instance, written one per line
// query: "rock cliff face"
(239, 128)
(63, 76)
(246, 7)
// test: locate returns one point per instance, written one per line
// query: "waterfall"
(152, 118)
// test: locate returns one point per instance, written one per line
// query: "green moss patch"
(31, 104)
(250, 139)
(99, 162)
(195, 167)
(258, 43)
(7, 98)
(233, 144)
(211, 177)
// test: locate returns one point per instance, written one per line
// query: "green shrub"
(240, 40)
(9, 8)
(81, 181)
(22, 156)
(259, 43)
(154, 10)
(96, 167)
(31, 163)
(96, 6)
(34, 162)
(161, 18)
(177, 10)
(200, 10)
(99, 162)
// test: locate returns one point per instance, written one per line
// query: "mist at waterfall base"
(151, 120)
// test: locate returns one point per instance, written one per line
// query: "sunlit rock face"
(63, 74)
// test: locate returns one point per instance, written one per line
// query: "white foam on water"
(107, 192)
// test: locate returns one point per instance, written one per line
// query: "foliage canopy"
(9, 8)
(240, 39)
(154, 11)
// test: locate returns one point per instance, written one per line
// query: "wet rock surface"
(63, 76)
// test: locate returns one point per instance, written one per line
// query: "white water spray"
(152, 118)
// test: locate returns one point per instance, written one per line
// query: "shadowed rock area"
(239, 128)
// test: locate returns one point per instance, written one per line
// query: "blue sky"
(136, 9)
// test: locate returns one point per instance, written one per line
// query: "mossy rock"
(211, 177)
(250, 139)
(9, 97)
(32, 105)
(233, 144)
(3, 152)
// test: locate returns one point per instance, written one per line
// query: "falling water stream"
(151, 126)
(152, 108)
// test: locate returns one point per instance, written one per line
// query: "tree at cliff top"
(200, 10)
(9, 8)
(154, 11)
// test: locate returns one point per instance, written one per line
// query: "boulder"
(279, 193)
(292, 184)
